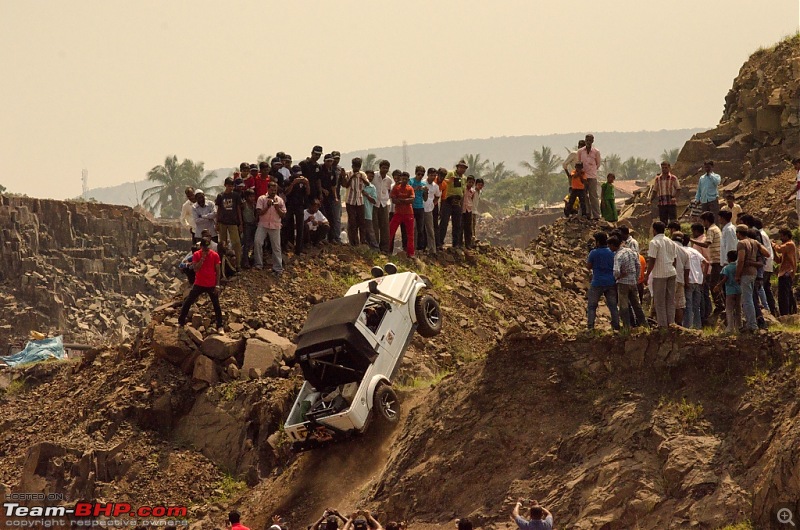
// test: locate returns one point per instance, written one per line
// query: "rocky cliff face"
(757, 137)
(81, 269)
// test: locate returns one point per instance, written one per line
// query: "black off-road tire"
(385, 404)
(429, 316)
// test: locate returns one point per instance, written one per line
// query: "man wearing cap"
(589, 156)
(330, 187)
(229, 219)
(187, 215)
(452, 205)
(205, 215)
(311, 171)
(335, 234)
(270, 209)
(380, 214)
(276, 175)
(297, 193)
(354, 181)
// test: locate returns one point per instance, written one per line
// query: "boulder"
(168, 345)
(205, 370)
(262, 356)
(220, 347)
(270, 337)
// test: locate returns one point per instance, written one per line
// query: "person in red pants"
(402, 196)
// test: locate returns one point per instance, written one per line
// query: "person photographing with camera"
(541, 518)
(207, 270)
(452, 201)
(270, 210)
(362, 520)
(329, 520)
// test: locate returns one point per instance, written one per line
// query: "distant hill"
(509, 149)
(514, 149)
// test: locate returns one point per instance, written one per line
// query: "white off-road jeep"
(350, 349)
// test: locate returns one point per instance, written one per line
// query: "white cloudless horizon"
(115, 87)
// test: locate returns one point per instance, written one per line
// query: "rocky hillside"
(90, 272)
(755, 141)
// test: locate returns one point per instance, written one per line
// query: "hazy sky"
(116, 86)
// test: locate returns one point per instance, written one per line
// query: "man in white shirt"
(768, 299)
(434, 194)
(570, 161)
(380, 214)
(315, 224)
(728, 241)
(693, 316)
(187, 214)
(205, 215)
(661, 266)
(681, 275)
(590, 158)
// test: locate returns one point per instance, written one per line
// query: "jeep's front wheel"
(429, 316)
(386, 404)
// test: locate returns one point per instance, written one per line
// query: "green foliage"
(227, 489)
(611, 163)
(744, 525)
(498, 172)
(635, 168)
(670, 156)
(424, 382)
(2, 189)
(172, 178)
(16, 387)
(370, 162)
(758, 379)
(528, 190)
(477, 167)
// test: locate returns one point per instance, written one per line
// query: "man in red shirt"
(234, 519)
(206, 264)
(261, 179)
(402, 196)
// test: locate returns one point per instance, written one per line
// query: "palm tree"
(173, 178)
(264, 158)
(369, 162)
(477, 167)
(545, 164)
(670, 156)
(498, 172)
(638, 168)
(612, 164)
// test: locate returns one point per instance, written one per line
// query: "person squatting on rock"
(540, 517)
(207, 268)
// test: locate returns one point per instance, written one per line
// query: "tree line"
(540, 180)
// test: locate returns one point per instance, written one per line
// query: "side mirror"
(390, 268)
(373, 287)
(377, 272)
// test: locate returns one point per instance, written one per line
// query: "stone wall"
(81, 269)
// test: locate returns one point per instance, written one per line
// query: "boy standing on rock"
(206, 265)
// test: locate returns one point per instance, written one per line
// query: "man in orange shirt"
(578, 190)
(786, 255)
(402, 196)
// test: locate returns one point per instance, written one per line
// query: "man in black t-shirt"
(229, 218)
(297, 198)
(311, 170)
(329, 182)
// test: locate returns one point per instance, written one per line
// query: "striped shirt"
(667, 188)
(714, 237)
(355, 187)
(626, 266)
(662, 250)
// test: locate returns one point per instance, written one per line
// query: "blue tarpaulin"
(37, 350)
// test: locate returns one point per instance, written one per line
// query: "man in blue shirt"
(707, 194)
(601, 263)
(541, 518)
(420, 196)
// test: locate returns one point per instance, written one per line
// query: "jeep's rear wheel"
(429, 316)
(386, 404)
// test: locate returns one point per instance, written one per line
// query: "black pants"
(785, 296)
(420, 241)
(436, 223)
(577, 194)
(292, 228)
(667, 213)
(194, 294)
(316, 236)
(768, 291)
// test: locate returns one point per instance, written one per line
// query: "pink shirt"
(591, 161)
(270, 220)
(469, 198)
